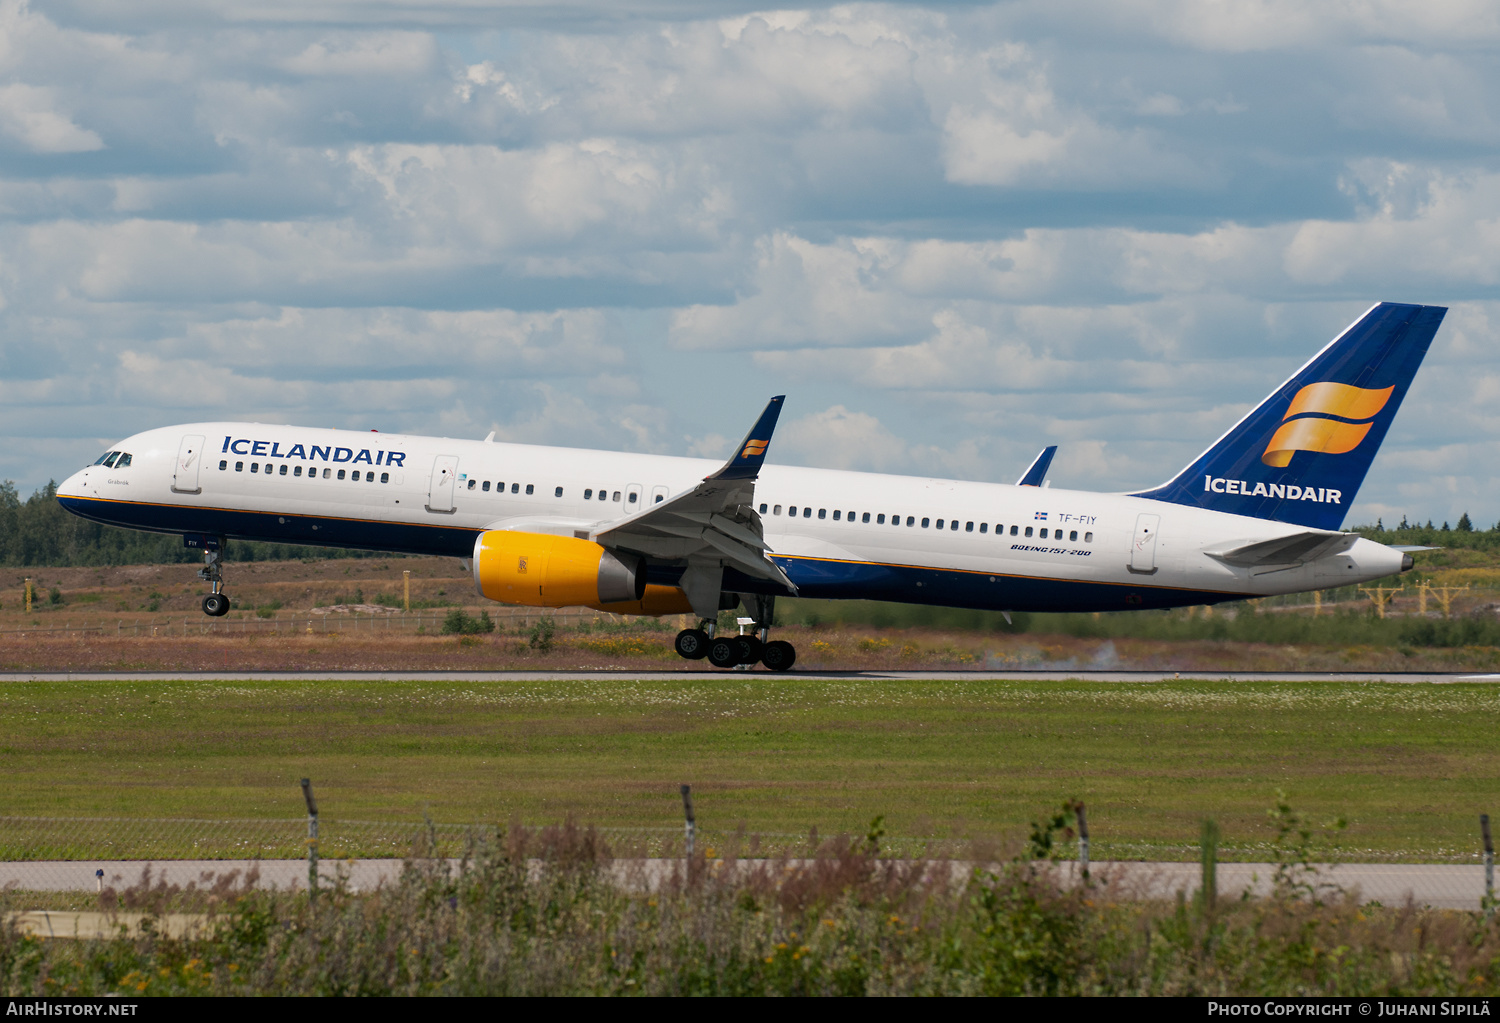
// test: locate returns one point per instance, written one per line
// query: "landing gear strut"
(742, 650)
(216, 604)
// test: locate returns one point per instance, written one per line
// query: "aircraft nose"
(74, 485)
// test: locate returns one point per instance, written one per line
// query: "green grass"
(1410, 766)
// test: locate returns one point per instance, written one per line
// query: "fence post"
(1083, 840)
(28, 594)
(689, 826)
(406, 590)
(312, 838)
(1210, 853)
(1489, 865)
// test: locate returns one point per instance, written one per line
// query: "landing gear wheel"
(779, 655)
(216, 605)
(750, 648)
(692, 644)
(724, 652)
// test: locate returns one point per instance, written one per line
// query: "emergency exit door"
(444, 478)
(189, 461)
(1143, 545)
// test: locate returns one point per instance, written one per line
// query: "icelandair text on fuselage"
(1273, 1008)
(311, 452)
(1289, 491)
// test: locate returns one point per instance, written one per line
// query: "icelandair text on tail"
(1288, 491)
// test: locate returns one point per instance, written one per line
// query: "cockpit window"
(106, 458)
(123, 460)
(113, 460)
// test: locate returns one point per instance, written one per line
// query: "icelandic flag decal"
(1041, 516)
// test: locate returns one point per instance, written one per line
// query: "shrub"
(459, 622)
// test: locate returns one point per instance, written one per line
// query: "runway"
(1439, 885)
(690, 675)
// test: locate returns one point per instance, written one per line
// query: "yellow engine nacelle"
(540, 570)
(554, 571)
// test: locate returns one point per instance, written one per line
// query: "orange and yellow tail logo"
(1328, 436)
(754, 449)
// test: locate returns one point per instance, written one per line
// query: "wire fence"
(92, 854)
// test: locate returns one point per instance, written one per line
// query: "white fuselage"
(854, 534)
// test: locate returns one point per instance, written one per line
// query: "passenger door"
(444, 477)
(1143, 544)
(189, 461)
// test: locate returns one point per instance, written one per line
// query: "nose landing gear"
(743, 650)
(216, 604)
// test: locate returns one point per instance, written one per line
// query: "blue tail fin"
(1036, 473)
(1301, 455)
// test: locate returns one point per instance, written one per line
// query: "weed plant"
(551, 912)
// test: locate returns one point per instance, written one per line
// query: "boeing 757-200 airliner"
(1258, 513)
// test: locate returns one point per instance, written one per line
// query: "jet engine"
(540, 570)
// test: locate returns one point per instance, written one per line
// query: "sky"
(951, 234)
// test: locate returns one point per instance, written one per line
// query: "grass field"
(1410, 766)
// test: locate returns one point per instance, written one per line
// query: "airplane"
(1256, 514)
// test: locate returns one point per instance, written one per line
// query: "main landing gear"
(216, 604)
(744, 649)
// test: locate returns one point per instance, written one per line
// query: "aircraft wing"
(713, 525)
(1285, 551)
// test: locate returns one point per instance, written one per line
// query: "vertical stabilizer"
(1302, 454)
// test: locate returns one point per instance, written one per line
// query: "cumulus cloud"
(959, 232)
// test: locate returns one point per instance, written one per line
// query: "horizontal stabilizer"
(1409, 549)
(1286, 551)
(1034, 476)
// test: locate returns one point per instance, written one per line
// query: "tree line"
(39, 531)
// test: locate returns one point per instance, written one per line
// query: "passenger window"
(531, 488)
(223, 464)
(659, 498)
(776, 510)
(515, 488)
(763, 508)
(924, 523)
(473, 484)
(283, 469)
(911, 520)
(865, 517)
(588, 495)
(822, 513)
(1028, 530)
(968, 527)
(1013, 530)
(557, 492)
(792, 511)
(604, 495)
(385, 477)
(370, 476)
(616, 496)
(939, 523)
(296, 470)
(1073, 536)
(1088, 537)
(880, 519)
(984, 527)
(807, 512)
(1044, 532)
(239, 466)
(631, 498)
(953, 525)
(836, 514)
(327, 473)
(341, 472)
(255, 467)
(850, 516)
